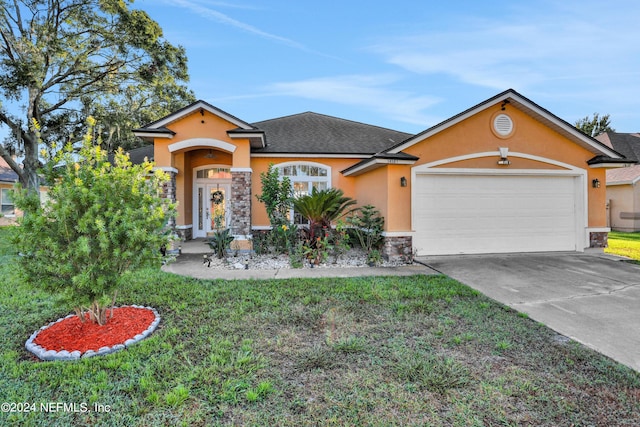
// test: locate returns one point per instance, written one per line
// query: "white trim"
(377, 163)
(245, 135)
(167, 135)
(497, 154)
(313, 156)
(308, 163)
(398, 233)
(184, 227)
(261, 227)
(166, 169)
(611, 165)
(241, 170)
(598, 229)
(631, 182)
(202, 142)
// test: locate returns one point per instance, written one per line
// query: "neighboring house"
(503, 176)
(623, 191)
(8, 178)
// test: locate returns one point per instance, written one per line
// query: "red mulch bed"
(71, 334)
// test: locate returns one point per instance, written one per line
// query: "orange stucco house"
(503, 176)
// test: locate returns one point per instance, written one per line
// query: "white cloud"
(531, 48)
(369, 92)
(220, 17)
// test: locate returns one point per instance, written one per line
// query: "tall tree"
(596, 125)
(64, 60)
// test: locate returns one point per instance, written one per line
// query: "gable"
(508, 100)
(186, 121)
(507, 120)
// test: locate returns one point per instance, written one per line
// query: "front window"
(6, 203)
(304, 177)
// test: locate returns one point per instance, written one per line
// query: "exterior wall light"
(403, 182)
(595, 183)
(504, 152)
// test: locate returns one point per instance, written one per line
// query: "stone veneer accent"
(184, 234)
(598, 239)
(398, 248)
(241, 203)
(169, 192)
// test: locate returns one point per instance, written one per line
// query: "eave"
(377, 161)
(257, 138)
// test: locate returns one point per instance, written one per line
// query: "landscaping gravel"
(351, 258)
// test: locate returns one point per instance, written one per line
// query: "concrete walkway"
(591, 298)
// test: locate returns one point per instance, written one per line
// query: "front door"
(212, 208)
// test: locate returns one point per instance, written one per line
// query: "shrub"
(277, 196)
(220, 242)
(100, 222)
(367, 225)
(322, 207)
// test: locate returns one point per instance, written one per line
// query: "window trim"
(326, 179)
(307, 179)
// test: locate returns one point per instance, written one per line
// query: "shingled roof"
(6, 173)
(627, 144)
(313, 133)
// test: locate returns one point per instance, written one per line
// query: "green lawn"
(625, 244)
(367, 351)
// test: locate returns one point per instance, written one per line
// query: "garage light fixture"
(403, 182)
(595, 183)
(504, 152)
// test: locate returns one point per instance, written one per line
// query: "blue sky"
(407, 65)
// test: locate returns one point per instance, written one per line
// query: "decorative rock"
(63, 355)
(88, 353)
(130, 341)
(49, 355)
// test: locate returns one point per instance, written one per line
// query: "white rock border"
(44, 354)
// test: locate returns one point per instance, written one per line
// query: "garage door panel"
(491, 214)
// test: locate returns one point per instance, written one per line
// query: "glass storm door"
(212, 207)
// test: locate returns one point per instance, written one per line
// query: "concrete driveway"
(591, 298)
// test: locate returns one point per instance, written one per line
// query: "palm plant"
(322, 207)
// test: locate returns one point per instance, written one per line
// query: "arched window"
(305, 176)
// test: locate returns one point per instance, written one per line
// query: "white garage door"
(455, 214)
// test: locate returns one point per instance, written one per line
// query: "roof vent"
(503, 125)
